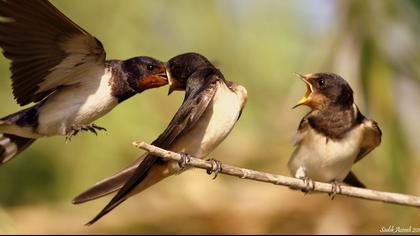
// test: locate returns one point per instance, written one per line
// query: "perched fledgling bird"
(62, 68)
(334, 135)
(211, 107)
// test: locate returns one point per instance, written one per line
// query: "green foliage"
(29, 181)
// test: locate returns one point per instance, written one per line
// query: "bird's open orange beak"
(306, 98)
(153, 81)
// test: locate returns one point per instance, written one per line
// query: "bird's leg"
(91, 129)
(71, 134)
(335, 188)
(309, 183)
(185, 159)
(216, 167)
(75, 129)
(99, 128)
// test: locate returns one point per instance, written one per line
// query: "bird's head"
(324, 90)
(181, 67)
(145, 73)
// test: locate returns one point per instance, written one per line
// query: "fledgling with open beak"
(211, 107)
(333, 136)
(62, 69)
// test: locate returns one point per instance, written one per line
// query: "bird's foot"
(185, 159)
(216, 167)
(309, 183)
(75, 129)
(99, 128)
(335, 188)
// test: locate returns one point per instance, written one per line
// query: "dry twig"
(388, 197)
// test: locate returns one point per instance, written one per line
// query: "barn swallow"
(333, 136)
(211, 107)
(62, 69)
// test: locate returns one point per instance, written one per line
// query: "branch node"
(245, 174)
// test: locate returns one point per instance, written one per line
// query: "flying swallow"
(211, 107)
(334, 135)
(62, 69)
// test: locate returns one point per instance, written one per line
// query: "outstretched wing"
(195, 103)
(46, 48)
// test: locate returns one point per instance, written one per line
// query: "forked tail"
(11, 145)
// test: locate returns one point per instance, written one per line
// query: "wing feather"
(302, 130)
(44, 47)
(372, 138)
(195, 103)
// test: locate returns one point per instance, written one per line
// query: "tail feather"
(12, 145)
(352, 180)
(144, 176)
(108, 185)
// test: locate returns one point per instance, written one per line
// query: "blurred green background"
(259, 44)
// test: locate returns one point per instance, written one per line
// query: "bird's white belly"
(76, 105)
(324, 160)
(213, 127)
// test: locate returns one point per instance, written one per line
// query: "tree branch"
(388, 197)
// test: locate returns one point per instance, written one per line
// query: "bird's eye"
(321, 83)
(150, 67)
